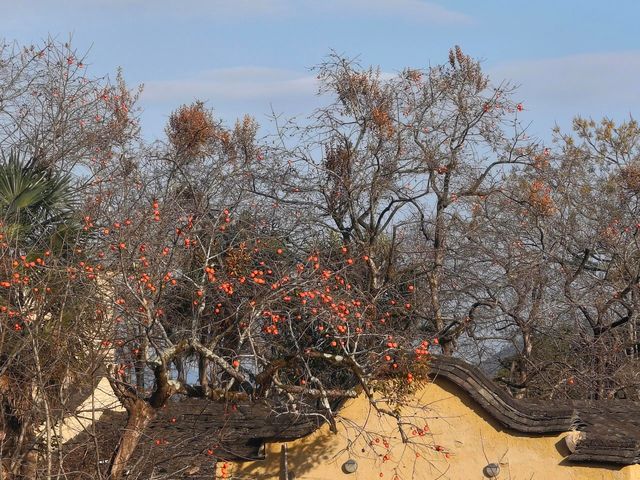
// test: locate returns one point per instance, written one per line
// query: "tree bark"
(203, 373)
(435, 275)
(29, 468)
(140, 415)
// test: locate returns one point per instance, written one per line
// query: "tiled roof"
(187, 437)
(610, 429)
(190, 435)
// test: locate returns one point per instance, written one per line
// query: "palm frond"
(32, 200)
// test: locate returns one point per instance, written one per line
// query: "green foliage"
(34, 202)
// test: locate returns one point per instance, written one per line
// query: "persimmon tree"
(61, 130)
(388, 159)
(212, 299)
(49, 321)
(52, 107)
(396, 158)
(304, 268)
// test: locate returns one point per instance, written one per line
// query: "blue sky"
(568, 56)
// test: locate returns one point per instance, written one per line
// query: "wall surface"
(102, 399)
(459, 441)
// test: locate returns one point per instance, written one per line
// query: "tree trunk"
(203, 373)
(140, 415)
(521, 374)
(179, 363)
(29, 468)
(139, 376)
(435, 275)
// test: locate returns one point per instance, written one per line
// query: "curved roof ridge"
(611, 428)
(518, 415)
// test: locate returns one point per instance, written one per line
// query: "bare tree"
(390, 157)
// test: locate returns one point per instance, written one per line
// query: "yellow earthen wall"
(460, 442)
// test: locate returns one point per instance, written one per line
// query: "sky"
(568, 57)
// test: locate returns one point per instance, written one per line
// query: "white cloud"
(591, 82)
(238, 83)
(418, 10)
(232, 92)
(553, 89)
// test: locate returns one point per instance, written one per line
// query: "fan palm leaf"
(33, 201)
